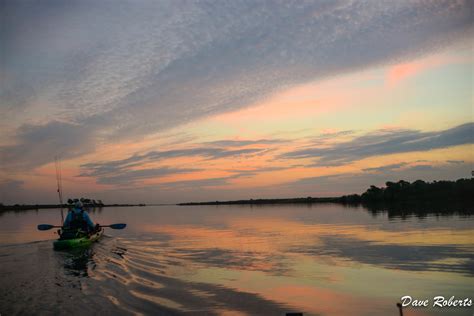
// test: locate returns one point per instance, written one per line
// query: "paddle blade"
(45, 226)
(118, 226)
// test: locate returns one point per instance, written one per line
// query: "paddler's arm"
(88, 220)
(68, 219)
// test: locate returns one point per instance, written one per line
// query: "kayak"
(82, 241)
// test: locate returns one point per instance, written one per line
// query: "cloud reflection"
(443, 258)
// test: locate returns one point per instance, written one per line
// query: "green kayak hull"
(62, 244)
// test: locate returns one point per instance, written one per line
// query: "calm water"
(239, 260)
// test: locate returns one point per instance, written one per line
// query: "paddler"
(77, 218)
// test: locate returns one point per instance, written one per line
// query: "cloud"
(100, 168)
(127, 177)
(385, 168)
(260, 170)
(403, 167)
(384, 142)
(422, 168)
(10, 190)
(39, 144)
(124, 71)
(220, 181)
(240, 143)
(328, 136)
(125, 171)
(200, 183)
(455, 161)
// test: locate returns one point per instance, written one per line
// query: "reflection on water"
(406, 211)
(266, 260)
(77, 261)
(405, 257)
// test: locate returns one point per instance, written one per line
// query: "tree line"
(459, 191)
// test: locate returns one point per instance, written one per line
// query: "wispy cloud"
(123, 71)
(39, 144)
(129, 177)
(219, 182)
(154, 156)
(386, 168)
(455, 161)
(326, 137)
(129, 170)
(199, 183)
(384, 142)
(240, 143)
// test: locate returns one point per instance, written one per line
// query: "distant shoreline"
(399, 193)
(333, 200)
(307, 200)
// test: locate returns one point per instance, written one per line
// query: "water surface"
(323, 259)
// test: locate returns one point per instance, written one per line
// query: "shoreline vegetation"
(418, 197)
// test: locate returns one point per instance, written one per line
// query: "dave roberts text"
(437, 301)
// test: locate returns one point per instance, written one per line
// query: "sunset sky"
(176, 101)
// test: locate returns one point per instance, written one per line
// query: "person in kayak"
(77, 218)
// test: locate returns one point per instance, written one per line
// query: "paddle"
(48, 226)
(115, 226)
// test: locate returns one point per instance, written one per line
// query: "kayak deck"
(82, 241)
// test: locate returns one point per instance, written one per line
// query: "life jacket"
(77, 221)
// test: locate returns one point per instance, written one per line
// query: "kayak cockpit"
(72, 239)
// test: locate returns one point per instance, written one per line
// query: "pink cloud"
(402, 71)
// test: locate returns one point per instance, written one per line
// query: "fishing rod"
(59, 181)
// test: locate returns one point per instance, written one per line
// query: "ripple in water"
(114, 276)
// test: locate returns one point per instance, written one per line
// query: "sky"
(178, 101)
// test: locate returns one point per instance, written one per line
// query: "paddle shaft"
(113, 226)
